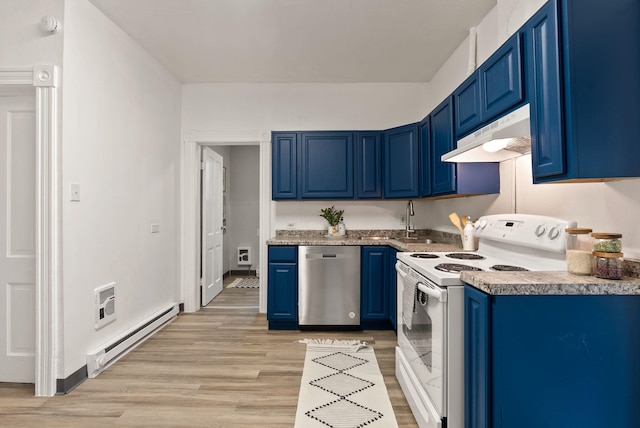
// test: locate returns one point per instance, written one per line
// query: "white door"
(17, 239)
(212, 227)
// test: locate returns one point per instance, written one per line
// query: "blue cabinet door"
(374, 310)
(368, 165)
(476, 359)
(584, 124)
(501, 80)
(284, 162)
(326, 165)
(442, 141)
(282, 292)
(578, 364)
(545, 95)
(424, 135)
(401, 162)
(393, 288)
(466, 101)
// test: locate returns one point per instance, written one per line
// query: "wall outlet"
(291, 226)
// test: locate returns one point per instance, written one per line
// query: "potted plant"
(333, 216)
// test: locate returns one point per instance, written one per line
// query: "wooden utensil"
(464, 221)
(455, 219)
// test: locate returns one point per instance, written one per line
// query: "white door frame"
(48, 226)
(190, 207)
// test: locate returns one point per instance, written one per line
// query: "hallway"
(213, 368)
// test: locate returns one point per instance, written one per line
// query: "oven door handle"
(441, 295)
(399, 269)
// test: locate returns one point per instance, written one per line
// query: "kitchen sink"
(374, 238)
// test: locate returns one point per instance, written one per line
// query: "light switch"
(75, 192)
(155, 228)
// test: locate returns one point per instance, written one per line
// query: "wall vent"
(105, 305)
(244, 256)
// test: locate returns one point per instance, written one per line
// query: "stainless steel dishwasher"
(329, 287)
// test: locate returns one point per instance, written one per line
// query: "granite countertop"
(359, 239)
(548, 283)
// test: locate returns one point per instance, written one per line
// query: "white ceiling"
(279, 41)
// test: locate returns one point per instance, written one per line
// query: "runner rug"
(253, 282)
(342, 387)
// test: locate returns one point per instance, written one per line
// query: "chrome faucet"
(407, 219)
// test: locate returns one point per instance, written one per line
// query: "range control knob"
(540, 230)
(553, 233)
(483, 224)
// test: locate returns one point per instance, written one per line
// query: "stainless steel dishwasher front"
(329, 287)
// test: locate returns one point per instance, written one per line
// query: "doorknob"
(223, 229)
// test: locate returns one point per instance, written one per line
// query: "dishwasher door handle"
(328, 256)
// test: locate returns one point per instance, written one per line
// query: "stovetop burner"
(455, 267)
(424, 256)
(465, 256)
(508, 268)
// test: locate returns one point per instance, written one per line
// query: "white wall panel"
(21, 330)
(21, 183)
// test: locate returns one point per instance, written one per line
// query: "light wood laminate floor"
(214, 368)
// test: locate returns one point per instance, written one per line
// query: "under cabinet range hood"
(505, 138)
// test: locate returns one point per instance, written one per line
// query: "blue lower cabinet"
(552, 361)
(375, 297)
(282, 294)
(476, 358)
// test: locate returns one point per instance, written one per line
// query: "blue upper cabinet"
(401, 162)
(442, 141)
(368, 165)
(284, 161)
(544, 86)
(463, 179)
(424, 134)
(582, 67)
(501, 80)
(466, 100)
(326, 165)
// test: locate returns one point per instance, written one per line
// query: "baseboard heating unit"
(103, 357)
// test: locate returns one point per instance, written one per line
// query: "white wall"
(23, 43)
(121, 142)
(299, 106)
(243, 184)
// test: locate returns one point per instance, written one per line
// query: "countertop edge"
(400, 246)
(548, 284)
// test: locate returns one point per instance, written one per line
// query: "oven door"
(422, 336)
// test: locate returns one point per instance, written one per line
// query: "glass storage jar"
(607, 265)
(607, 242)
(578, 251)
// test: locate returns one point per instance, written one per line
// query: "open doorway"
(241, 225)
(244, 151)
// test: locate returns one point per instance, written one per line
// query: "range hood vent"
(505, 138)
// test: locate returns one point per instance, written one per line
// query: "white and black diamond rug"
(342, 387)
(251, 282)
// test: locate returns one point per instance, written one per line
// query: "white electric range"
(430, 352)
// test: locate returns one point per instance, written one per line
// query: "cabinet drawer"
(283, 254)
